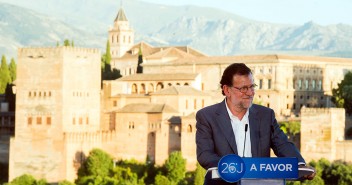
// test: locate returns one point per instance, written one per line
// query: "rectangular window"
(39, 120)
(313, 84)
(195, 103)
(269, 84)
(29, 120)
(294, 84)
(80, 120)
(306, 84)
(48, 120)
(319, 85)
(87, 120)
(260, 84)
(115, 103)
(203, 103)
(74, 121)
(300, 84)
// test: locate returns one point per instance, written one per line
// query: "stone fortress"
(62, 112)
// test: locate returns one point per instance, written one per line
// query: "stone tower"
(121, 36)
(321, 129)
(58, 92)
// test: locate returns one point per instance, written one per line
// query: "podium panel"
(263, 182)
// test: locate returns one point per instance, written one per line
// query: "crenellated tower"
(57, 92)
(121, 36)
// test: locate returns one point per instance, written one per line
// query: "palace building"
(62, 112)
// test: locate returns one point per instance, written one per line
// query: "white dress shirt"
(238, 127)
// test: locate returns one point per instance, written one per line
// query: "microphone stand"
(245, 136)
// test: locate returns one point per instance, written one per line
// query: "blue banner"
(232, 168)
(271, 168)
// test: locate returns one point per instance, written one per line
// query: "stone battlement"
(308, 111)
(42, 52)
(99, 136)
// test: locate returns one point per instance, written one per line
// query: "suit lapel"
(224, 123)
(254, 125)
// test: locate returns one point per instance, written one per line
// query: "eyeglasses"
(244, 89)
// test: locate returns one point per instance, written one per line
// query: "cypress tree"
(107, 57)
(5, 77)
(12, 69)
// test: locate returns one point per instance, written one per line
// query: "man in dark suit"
(236, 126)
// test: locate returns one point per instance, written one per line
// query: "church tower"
(121, 36)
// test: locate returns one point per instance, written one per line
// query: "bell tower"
(121, 36)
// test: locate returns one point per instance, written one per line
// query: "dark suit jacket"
(215, 137)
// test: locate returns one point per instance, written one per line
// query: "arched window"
(142, 89)
(150, 88)
(134, 89)
(189, 128)
(159, 86)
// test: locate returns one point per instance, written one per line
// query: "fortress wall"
(78, 145)
(41, 156)
(344, 150)
(188, 143)
(320, 129)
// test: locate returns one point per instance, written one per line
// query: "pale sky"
(323, 12)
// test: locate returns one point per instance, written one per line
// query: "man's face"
(240, 94)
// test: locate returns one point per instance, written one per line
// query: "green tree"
(291, 128)
(338, 172)
(5, 77)
(23, 180)
(66, 42)
(199, 175)
(106, 72)
(26, 179)
(175, 167)
(12, 69)
(342, 95)
(98, 165)
(66, 182)
(126, 176)
(161, 180)
(108, 54)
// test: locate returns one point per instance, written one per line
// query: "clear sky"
(323, 12)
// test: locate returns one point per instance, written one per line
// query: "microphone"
(245, 136)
